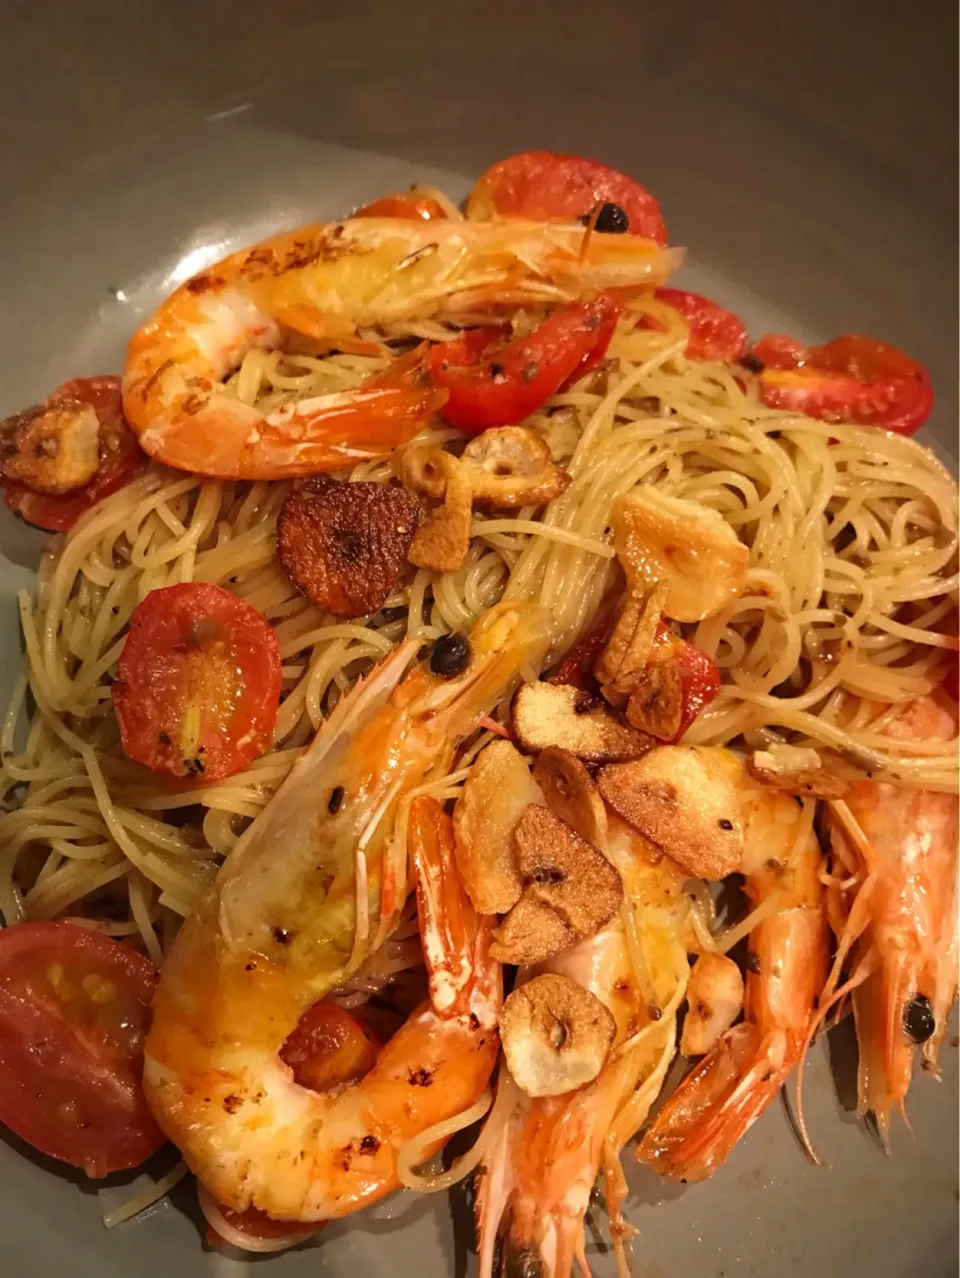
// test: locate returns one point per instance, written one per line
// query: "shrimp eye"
(919, 1021)
(450, 656)
(612, 219)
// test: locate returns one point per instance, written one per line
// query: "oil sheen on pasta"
(853, 545)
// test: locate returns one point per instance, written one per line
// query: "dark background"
(790, 143)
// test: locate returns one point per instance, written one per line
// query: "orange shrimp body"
(730, 1087)
(543, 1155)
(901, 920)
(327, 282)
(296, 909)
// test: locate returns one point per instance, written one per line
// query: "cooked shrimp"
(328, 281)
(734, 1083)
(296, 909)
(894, 906)
(541, 1157)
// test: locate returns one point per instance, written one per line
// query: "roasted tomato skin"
(198, 683)
(715, 333)
(74, 1006)
(549, 185)
(121, 458)
(494, 383)
(851, 379)
(329, 1048)
(410, 204)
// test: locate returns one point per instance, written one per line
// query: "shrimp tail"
(518, 1231)
(717, 1102)
(495, 1181)
(533, 1243)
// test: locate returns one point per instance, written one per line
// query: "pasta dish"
(439, 607)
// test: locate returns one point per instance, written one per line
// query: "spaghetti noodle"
(852, 581)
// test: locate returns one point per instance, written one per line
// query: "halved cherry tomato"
(543, 185)
(198, 682)
(699, 675)
(714, 332)
(851, 379)
(410, 204)
(73, 1012)
(329, 1047)
(121, 457)
(492, 383)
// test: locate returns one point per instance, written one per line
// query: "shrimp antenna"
(831, 995)
(591, 223)
(853, 928)
(866, 967)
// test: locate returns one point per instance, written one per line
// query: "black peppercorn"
(450, 656)
(336, 798)
(612, 219)
(919, 1021)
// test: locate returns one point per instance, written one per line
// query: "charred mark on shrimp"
(203, 283)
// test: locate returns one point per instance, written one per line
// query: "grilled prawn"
(298, 906)
(893, 904)
(543, 1155)
(327, 282)
(731, 1086)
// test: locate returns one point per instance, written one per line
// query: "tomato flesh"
(121, 457)
(547, 185)
(329, 1047)
(73, 1012)
(198, 683)
(714, 332)
(491, 383)
(412, 204)
(851, 379)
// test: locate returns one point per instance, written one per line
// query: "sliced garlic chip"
(556, 1035)
(687, 546)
